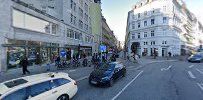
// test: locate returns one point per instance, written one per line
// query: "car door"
(116, 72)
(20, 94)
(65, 86)
(41, 91)
(119, 70)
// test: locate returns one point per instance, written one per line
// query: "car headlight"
(105, 78)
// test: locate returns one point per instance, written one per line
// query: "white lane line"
(191, 66)
(82, 78)
(162, 61)
(169, 67)
(115, 97)
(72, 70)
(199, 71)
(200, 86)
(191, 75)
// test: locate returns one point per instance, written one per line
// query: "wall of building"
(27, 15)
(174, 27)
(95, 15)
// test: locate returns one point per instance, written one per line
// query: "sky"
(116, 11)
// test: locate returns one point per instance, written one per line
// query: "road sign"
(63, 53)
(102, 48)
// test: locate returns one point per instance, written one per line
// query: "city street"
(169, 80)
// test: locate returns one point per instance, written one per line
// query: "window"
(68, 33)
(77, 37)
(133, 36)
(86, 17)
(80, 24)
(39, 88)
(25, 21)
(152, 21)
(145, 23)
(145, 34)
(138, 36)
(133, 25)
(54, 28)
(145, 13)
(86, 7)
(61, 81)
(80, 12)
(138, 25)
(86, 27)
(152, 33)
(164, 8)
(71, 4)
(71, 18)
(164, 19)
(74, 8)
(18, 95)
(74, 20)
(138, 15)
(71, 34)
(153, 11)
(145, 43)
(164, 42)
(153, 43)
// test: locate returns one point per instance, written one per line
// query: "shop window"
(14, 56)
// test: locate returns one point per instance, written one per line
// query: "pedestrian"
(113, 58)
(169, 54)
(24, 64)
(48, 66)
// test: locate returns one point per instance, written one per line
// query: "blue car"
(196, 58)
(107, 73)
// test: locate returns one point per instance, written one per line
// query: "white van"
(46, 86)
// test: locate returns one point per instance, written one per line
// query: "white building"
(40, 29)
(162, 26)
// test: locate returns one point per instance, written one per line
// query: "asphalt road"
(169, 80)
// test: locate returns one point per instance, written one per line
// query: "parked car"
(107, 73)
(196, 58)
(46, 86)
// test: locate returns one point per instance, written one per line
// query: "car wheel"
(63, 97)
(111, 82)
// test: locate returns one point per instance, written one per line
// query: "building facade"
(162, 26)
(108, 37)
(41, 29)
(96, 22)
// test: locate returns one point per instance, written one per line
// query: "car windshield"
(197, 56)
(107, 67)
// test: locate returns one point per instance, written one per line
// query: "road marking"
(191, 75)
(72, 70)
(191, 66)
(199, 71)
(169, 67)
(82, 78)
(115, 97)
(162, 61)
(200, 86)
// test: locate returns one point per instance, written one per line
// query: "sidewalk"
(35, 69)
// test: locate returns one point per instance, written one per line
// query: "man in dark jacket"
(24, 64)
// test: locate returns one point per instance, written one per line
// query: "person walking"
(24, 64)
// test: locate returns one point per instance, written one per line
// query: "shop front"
(36, 52)
(74, 50)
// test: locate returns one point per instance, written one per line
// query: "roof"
(25, 81)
